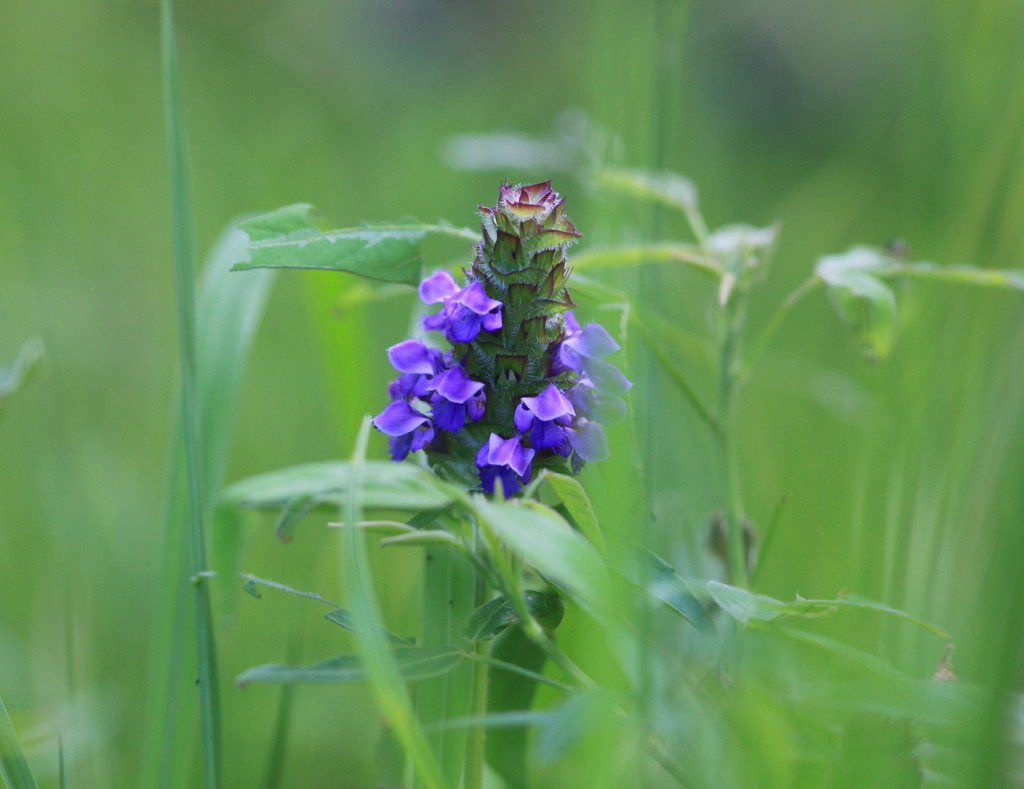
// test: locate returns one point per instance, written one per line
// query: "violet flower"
(505, 459)
(464, 312)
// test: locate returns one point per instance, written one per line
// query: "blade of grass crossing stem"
(385, 682)
(13, 764)
(448, 595)
(184, 272)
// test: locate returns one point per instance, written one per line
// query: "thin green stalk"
(184, 270)
(727, 385)
(668, 363)
(807, 286)
(474, 773)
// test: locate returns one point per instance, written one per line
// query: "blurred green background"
(851, 123)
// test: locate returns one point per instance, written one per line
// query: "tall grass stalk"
(184, 270)
(385, 681)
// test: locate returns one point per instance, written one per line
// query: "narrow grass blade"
(230, 308)
(13, 764)
(377, 659)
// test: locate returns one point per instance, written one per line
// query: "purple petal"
(400, 446)
(567, 358)
(547, 435)
(438, 320)
(484, 452)
(477, 406)
(492, 320)
(572, 326)
(589, 441)
(411, 356)
(549, 404)
(593, 342)
(437, 287)
(420, 438)
(455, 386)
(501, 450)
(474, 297)
(464, 325)
(509, 481)
(398, 419)
(608, 379)
(521, 459)
(449, 416)
(523, 418)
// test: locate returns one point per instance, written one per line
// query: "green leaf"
(665, 584)
(388, 486)
(576, 501)
(294, 511)
(13, 764)
(228, 313)
(413, 663)
(16, 373)
(423, 537)
(545, 540)
(744, 606)
(291, 220)
(288, 238)
(494, 616)
(961, 274)
(343, 619)
(667, 188)
(860, 298)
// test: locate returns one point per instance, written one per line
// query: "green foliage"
(412, 663)
(288, 238)
(16, 373)
(13, 765)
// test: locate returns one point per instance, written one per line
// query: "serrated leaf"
(290, 220)
(413, 663)
(576, 501)
(388, 486)
(343, 619)
(860, 298)
(288, 238)
(16, 373)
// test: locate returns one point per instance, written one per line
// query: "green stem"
(474, 774)
(732, 313)
(804, 288)
(184, 271)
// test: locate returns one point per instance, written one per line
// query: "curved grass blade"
(378, 660)
(13, 764)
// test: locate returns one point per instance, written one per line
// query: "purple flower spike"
(505, 459)
(412, 356)
(437, 287)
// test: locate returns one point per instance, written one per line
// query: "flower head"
(523, 384)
